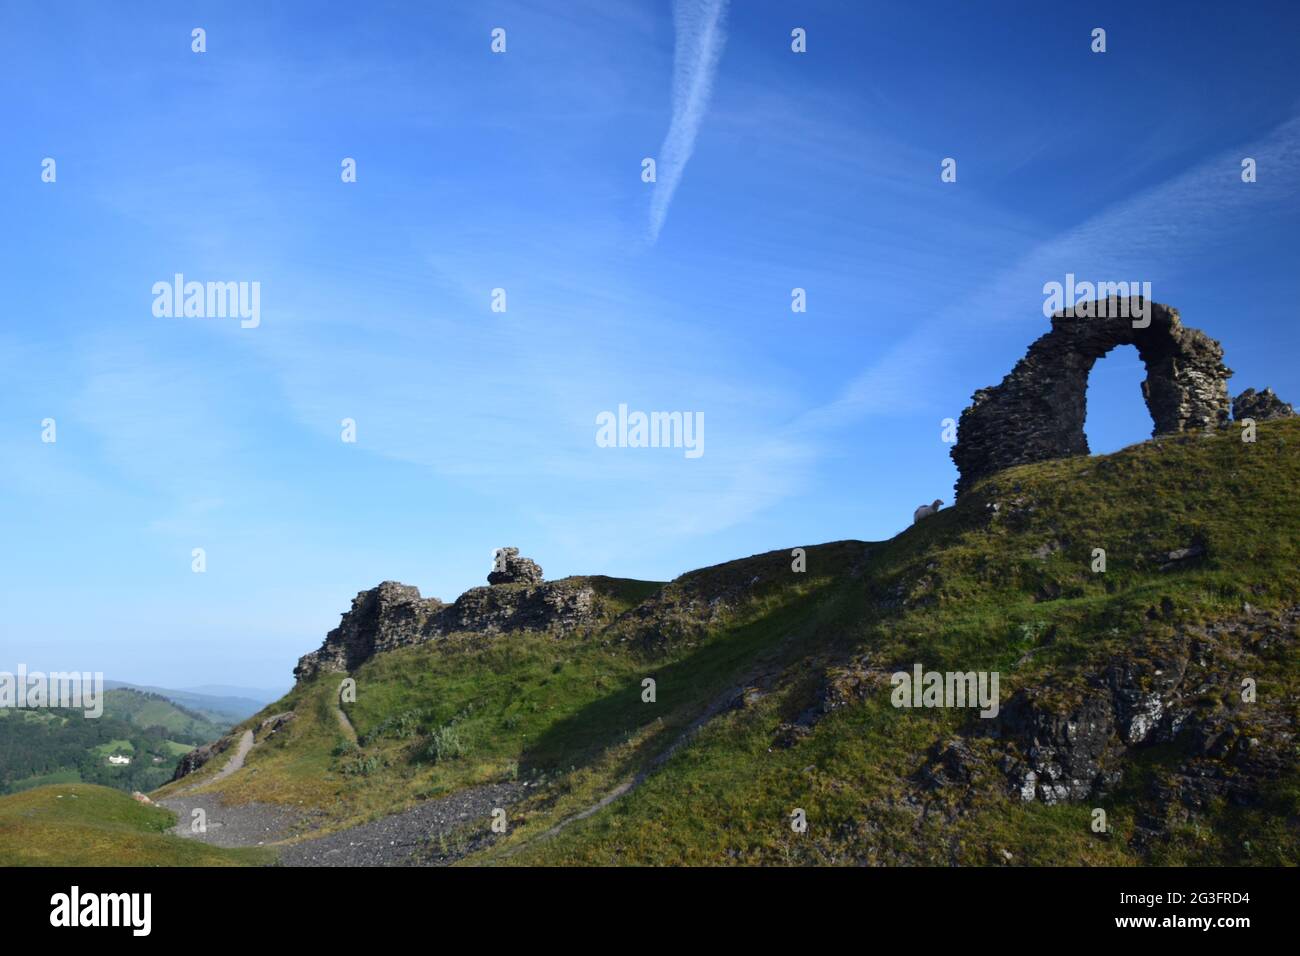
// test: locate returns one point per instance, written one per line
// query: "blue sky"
(522, 171)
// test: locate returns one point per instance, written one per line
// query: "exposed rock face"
(1260, 406)
(1037, 412)
(389, 616)
(1052, 745)
(394, 615)
(197, 757)
(509, 568)
(558, 605)
(275, 723)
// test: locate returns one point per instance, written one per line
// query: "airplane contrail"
(701, 34)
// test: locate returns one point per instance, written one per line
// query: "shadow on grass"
(683, 688)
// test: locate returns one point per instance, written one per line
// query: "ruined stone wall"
(1037, 412)
(387, 616)
(1260, 406)
(394, 615)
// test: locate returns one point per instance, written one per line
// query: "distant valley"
(135, 745)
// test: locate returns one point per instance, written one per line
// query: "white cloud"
(701, 35)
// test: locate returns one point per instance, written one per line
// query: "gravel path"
(345, 725)
(436, 832)
(237, 761)
(251, 824)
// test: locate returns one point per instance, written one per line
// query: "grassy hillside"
(153, 710)
(773, 690)
(82, 825)
(216, 704)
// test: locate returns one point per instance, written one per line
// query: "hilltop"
(1122, 690)
(148, 709)
(217, 704)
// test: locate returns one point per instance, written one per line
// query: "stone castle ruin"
(1037, 412)
(393, 615)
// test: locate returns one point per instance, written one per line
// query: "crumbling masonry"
(1037, 413)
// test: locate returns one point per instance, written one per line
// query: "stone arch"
(1038, 410)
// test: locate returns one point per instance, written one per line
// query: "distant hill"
(45, 746)
(262, 695)
(148, 709)
(218, 703)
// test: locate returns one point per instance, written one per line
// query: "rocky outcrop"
(1055, 743)
(384, 618)
(559, 605)
(1260, 406)
(199, 756)
(394, 615)
(1037, 412)
(275, 723)
(509, 568)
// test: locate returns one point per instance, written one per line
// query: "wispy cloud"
(1150, 235)
(701, 35)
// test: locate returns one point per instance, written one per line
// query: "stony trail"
(237, 761)
(250, 824)
(234, 763)
(434, 833)
(345, 724)
(247, 825)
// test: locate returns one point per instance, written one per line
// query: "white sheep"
(926, 510)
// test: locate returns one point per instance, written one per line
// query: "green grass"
(528, 705)
(978, 598)
(59, 776)
(115, 746)
(84, 825)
